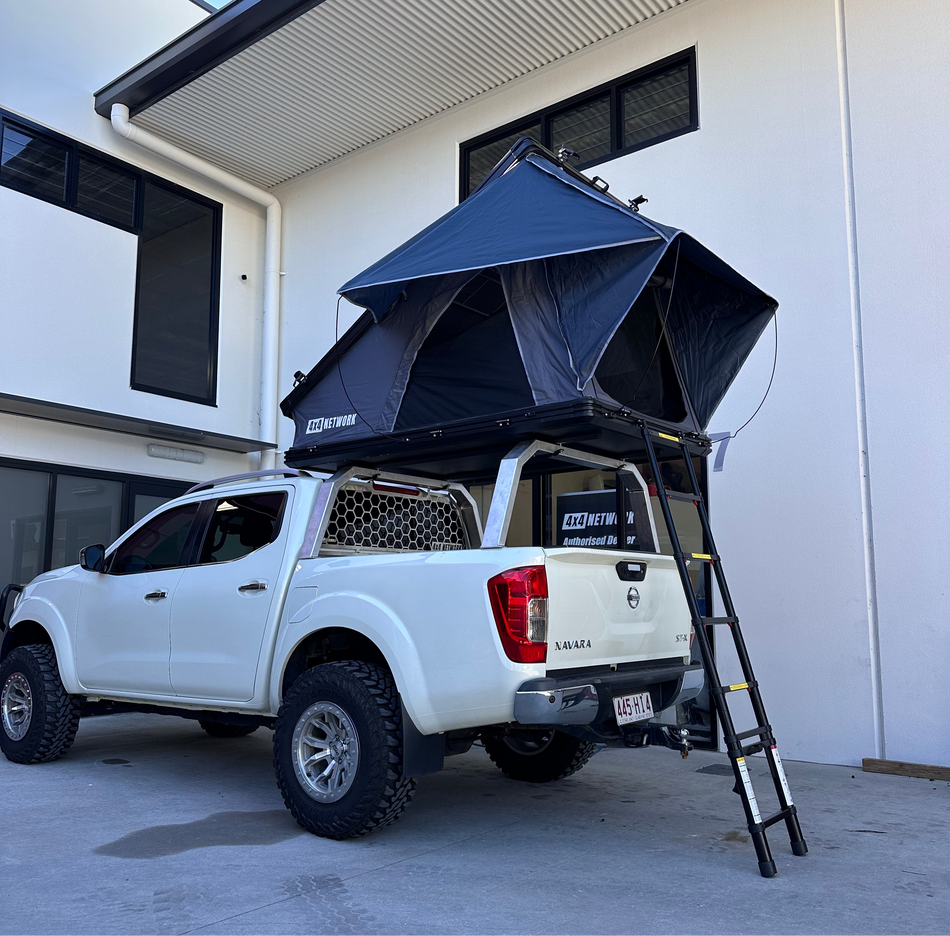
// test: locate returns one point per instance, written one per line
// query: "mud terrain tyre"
(338, 750)
(539, 757)
(222, 730)
(38, 717)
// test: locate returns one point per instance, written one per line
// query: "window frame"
(209, 506)
(132, 484)
(187, 551)
(76, 150)
(615, 90)
(214, 324)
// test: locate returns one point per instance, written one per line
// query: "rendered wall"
(762, 183)
(899, 69)
(69, 281)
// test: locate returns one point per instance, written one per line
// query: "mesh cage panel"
(370, 519)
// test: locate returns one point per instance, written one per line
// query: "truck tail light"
(519, 601)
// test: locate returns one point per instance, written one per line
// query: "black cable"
(769, 387)
(659, 341)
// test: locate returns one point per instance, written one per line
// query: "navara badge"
(633, 598)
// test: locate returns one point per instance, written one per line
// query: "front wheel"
(338, 750)
(538, 756)
(39, 718)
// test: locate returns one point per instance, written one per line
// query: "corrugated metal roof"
(350, 72)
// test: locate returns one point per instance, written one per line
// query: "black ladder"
(763, 730)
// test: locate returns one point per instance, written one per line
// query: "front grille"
(364, 518)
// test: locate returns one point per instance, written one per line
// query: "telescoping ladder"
(738, 752)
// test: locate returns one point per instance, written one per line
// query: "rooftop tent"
(540, 292)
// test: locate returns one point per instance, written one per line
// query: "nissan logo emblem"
(633, 598)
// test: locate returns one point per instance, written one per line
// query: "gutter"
(270, 355)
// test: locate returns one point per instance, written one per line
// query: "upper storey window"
(648, 106)
(175, 332)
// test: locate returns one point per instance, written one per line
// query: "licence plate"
(633, 708)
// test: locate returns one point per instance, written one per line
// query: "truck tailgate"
(595, 617)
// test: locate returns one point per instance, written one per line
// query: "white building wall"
(899, 69)
(762, 184)
(69, 281)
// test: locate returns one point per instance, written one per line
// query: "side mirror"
(91, 557)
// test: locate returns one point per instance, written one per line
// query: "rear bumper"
(586, 697)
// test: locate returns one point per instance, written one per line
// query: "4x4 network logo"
(331, 422)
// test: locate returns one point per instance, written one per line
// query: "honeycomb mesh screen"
(366, 518)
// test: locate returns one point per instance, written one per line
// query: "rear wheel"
(38, 717)
(538, 756)
(223, 730)
(338, 750)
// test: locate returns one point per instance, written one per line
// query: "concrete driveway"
(149, 826)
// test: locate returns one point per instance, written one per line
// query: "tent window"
(637, 367)
(470, 364)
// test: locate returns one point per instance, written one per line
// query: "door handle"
(253, 586)
(156, 595)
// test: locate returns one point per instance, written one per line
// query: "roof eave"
(207, 44)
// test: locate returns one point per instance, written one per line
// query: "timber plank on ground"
(905, 769)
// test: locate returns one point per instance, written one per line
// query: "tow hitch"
(664, 735)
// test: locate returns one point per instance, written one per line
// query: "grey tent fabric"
(533, 308)
(360, 390)
(594, 291)
(539, 289)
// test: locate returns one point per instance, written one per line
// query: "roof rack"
(230, 479)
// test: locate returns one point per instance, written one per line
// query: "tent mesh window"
(469, 364)
(637, 368)
(367, 519)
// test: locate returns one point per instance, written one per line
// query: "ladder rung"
(701, 557)
(749, 749)
(720, 620)
(736, 687)
(680, 496)
(779, 816)
(742, 735)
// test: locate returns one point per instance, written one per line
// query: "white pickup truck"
(367, 619)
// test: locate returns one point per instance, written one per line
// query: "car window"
(241, 525)
(157, 545)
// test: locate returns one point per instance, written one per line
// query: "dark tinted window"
(584, 129)
(482, 159)
(33, 162)
(157, 545)
(241, 525)
(106, 190)
(656, 106)
(175, 344)
(637, 110)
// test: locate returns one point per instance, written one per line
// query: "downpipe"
(270, 354)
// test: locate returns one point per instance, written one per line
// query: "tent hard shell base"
(470, 450)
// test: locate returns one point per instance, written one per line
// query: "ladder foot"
(767, 868)
(799, 848)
